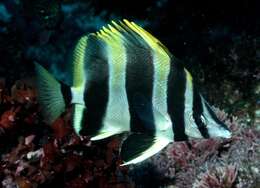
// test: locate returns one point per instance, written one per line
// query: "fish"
(126, 81)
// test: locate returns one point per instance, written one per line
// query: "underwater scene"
(125, 94)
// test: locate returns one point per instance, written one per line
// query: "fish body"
(126, 80)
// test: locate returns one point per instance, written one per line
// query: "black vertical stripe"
(176, 99)
(198, 112)
(214, 117)
(139, 81)
(66, 92)
(96, 90)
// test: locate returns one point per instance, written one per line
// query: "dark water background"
(218, 41)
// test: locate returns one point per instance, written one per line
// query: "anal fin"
(139, 147)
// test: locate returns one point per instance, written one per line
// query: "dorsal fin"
(132, 35)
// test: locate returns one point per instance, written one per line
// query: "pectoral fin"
(50, 94)
(139, 147)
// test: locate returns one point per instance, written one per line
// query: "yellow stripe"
(125, 33)
(117, 26)
(161, 63)
(117, 118)
(161, 71)
(78, 62)
(188, 92)
(156, 42)
(151, 41)
(188, 77)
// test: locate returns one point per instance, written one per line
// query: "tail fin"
(50, 94)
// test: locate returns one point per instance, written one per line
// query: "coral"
(52, 156)
(205, 163)
(221, 177)
(43, 155)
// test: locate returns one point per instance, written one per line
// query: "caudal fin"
(50, 94)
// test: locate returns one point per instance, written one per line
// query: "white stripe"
(117, 118)
(79, 80)
(77, 117)
(191, 128)
(214, 129)
(78, 95)
(161, 63)
(188, 93)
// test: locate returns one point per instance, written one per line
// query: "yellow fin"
(189, 77)
(131, 34)
(78, 62)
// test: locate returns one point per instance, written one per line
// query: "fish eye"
(203, 119)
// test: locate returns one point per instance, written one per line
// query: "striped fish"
(126, 80)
